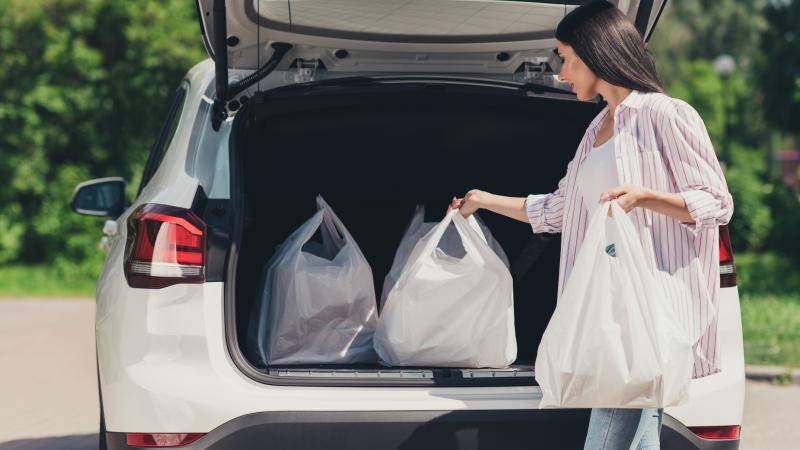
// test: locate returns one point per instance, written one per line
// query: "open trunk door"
(385, 36)
(435, 26)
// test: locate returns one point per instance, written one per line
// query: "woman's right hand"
(471, 202)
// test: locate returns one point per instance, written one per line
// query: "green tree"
(85, 86)
(778, 66)
(752, 219)
(704, 29)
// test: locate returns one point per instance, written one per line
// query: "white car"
(378, 105)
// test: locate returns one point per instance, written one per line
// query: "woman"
(652, 155)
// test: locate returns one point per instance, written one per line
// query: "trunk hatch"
(395, 27)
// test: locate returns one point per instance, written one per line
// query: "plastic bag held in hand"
(317, 299)
(613, 340)
(450, 244)
(446, 311)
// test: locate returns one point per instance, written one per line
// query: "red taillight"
(727, 269)
(166, 246)
(162, 439)
(722, 432)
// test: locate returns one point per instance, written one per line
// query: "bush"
(85, 84)
(783, 237)
(767, 273)
(752, 219)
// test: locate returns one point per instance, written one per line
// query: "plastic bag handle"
(469, 232)
(332, 223)
(473, 238)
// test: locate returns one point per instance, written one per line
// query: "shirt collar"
(633, 100)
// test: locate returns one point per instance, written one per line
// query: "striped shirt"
(660, 143)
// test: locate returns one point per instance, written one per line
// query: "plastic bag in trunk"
(614, 340)
(450, 311)
(450, 244)
(317, 300)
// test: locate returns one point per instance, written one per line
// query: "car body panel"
(719, 399)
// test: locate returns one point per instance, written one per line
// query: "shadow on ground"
(75, 442)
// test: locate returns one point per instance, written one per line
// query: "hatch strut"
(224, 91)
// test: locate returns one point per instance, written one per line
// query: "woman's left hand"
(627, 196)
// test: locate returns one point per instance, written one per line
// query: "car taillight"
(162, 439)
(727, 269)
(721, 432)
(165, 246)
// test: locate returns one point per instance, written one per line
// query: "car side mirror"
(103, 197)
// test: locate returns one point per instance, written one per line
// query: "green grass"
(771, 326)
(42, 282)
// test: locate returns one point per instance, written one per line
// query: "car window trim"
(153, 161)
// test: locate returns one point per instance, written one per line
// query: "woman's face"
(573, 71)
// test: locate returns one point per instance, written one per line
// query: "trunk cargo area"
(376, 151)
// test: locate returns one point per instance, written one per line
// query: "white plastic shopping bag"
(613, 340)
(449, 311)
(450, 244)
(317, 300)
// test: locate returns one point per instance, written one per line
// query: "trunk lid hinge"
(539, 73)
(225, 92)
(306, 70)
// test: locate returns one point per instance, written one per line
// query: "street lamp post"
(725, 65)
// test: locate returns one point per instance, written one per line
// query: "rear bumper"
(418, 430)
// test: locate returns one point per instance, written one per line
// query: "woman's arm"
(629, 197)
(513, 207)
(702, 200)
(695, 169)
(544, 212)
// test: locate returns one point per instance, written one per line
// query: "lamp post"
(725, 65)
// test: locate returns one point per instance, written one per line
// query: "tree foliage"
(85, 84)
(778, 66)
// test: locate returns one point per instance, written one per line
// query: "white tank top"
(598, 174)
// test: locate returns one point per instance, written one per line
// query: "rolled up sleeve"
(546, 211)
(695, 168)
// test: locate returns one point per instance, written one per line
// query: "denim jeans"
(624, 429)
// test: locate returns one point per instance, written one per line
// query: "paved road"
(48, 380)
(48, 396)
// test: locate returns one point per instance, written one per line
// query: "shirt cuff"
(701, 206)
(534, 207)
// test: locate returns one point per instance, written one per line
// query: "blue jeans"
(624, 429)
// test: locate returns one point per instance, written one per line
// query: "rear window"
(164, 138)
(413, 20)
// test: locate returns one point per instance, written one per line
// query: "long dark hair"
(610, 45)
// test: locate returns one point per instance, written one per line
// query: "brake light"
(721, 432)
(727, 269)
(162, 439)
(165, 246)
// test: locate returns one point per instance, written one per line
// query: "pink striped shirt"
(661, 143)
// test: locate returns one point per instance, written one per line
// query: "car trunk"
(374, 151)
